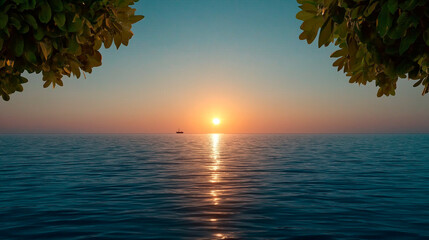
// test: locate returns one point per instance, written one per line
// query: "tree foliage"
(58, 37)
(381, 40)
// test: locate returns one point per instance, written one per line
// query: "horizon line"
(155, 133)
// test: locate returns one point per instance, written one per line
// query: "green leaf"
(72, 45)
(75, 25)
(352, 46)
(18, 45)
(356, 12)
(97, 44)
(370, 9)
(5, 96)
(46, 49)
(339, 53)
(24, 29)
(15, 22)
(30, 56)
(404, 66)
(45, 13)
(95, 60)
(403, 23)
(311, 28)
(312, 23)
(407, 41)
(409, 4)
(108, 40)
(338, 14)
(126, 36)
(19, 88)
(23, 80)
(46, 84)
(59, 82)
(303, 15)
(384, 20)
(117, 39)
(426, 37)
(49, 77)
(326, 32)
(380, 92)
(75, 68)
(31, 4)
(393, 6)
(60, 19)
(39, 34)
(418, 83)
(31, 21)
(3, 20)
(57, 5)
(309, 6)
(135, 18)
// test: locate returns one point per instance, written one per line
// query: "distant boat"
(179, 132)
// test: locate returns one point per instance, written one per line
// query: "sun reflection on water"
(215, 176)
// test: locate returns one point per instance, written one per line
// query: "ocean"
(214, 186)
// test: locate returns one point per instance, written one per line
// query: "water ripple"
(214, 186)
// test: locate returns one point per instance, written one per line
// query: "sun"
(216, 121)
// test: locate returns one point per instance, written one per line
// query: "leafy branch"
(378, 40)
(58, 38)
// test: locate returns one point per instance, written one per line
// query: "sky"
(190, 61)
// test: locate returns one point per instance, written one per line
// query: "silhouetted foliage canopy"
(381, 40)
(58, 37)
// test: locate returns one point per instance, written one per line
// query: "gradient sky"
(192, 60)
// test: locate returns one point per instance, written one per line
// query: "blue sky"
(192, 60)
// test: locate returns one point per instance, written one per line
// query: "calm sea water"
(214, 186)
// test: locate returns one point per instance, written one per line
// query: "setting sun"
(216, 121)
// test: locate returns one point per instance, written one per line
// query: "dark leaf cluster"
(58, 37)
(378, 40)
